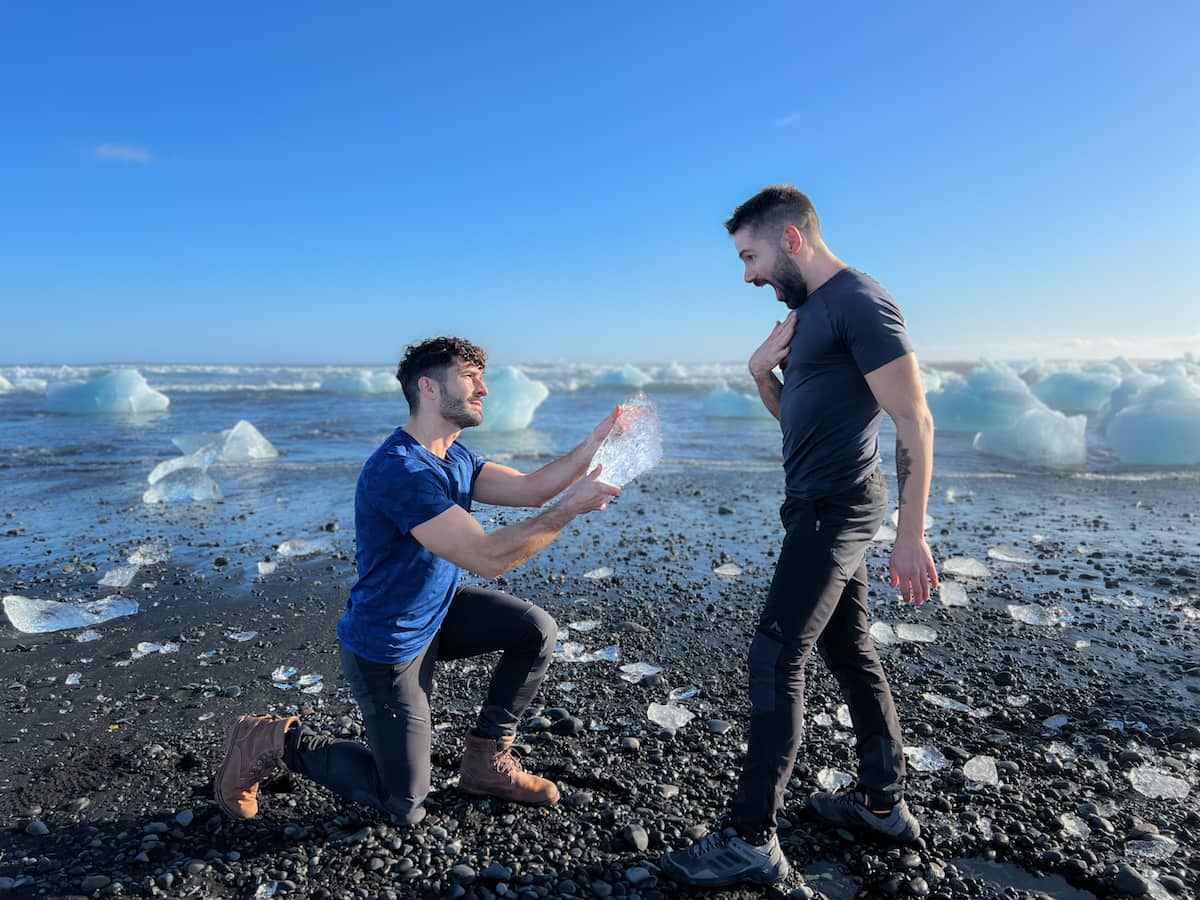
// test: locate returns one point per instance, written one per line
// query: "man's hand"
(913, 570)
(588, 494)
(772, 351)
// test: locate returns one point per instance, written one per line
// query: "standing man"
(407, 610)
(846, 359)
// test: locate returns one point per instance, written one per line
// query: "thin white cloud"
(789, 119)
(123, 153)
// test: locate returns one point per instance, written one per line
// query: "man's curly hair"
(433, 357)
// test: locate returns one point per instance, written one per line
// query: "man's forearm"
(770, 389)
(914, 472)
(555, 477)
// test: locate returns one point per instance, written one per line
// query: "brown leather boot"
(253, 750)
(489, 768)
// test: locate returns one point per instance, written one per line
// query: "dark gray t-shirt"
(847, 327)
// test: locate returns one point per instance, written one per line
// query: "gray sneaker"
(848, 807)
(722, 858)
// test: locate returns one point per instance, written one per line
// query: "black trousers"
(818, 597)
(392, 772)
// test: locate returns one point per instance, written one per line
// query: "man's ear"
(792, 240)
(425, 385)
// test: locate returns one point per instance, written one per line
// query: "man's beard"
(793, 289)
(459, 414)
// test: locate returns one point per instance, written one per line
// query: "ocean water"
(72, 485)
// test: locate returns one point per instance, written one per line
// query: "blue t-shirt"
(847, 327)
(403, 590)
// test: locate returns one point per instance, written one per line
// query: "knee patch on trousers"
(765, 653)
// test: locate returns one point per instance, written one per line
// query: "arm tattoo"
(903, 468)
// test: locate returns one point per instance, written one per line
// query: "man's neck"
(822, 267)
(433, 433)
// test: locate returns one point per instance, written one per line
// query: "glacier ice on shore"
(723, 402)
(1158, 424)
(182, 486)
(42, 616)
(513, 397)
(241, 443)
(626, 376)
(119, 391)
(989, 396)
(201, 459)
(362, 382)
(5, 385)
(1040, 436)
(1075, 392)
(633, 446)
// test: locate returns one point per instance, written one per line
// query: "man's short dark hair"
(433, 357)
(775, 207)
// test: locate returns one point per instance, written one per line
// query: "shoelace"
(505, 762)
(711, 841)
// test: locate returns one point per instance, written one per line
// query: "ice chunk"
(843, 716)
(309, 680)
(1056, 721)
(981, 770)
(1161, 431)
(601, 572)
(1156, 783)
(1077, 392)
(885, 534)
(683, 693)
(926, 759)
(305, 546)
(989, 396)
(266, 567)
(728, 570)
(145, 648)
(1005, 553)
(921, 634)
(965, 567)
(635, 672)
(672, 371)
(628, 375)
(584, 627)
(1038, 615)
(42, 616)
(946, 702)
(1075, 827)
(723, 402)
(1041, 436)
(512, 399)
(283, 673)
(245, 443)
(1064, 753)
(834, 779)
(633, 446)
(201, 460)
(182, 486)
(120, 391)
(149, 555)
(1156, 849)
(883, 633)
(85, 637)
(119, 577)
(1017, 700)
(570, 651)
(823, 719)
(5, 385)
(669, 715)
(362, 382)
(242, 636)
(951, 593)
(315, 688)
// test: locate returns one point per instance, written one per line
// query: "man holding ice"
(846, 359)
(414, 535)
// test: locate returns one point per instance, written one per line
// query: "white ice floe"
(1159, 427)
(182, 486)
(636, 672)
(669, 715)
(989, 396)
(920, 634)
(628, 375)
(728, 570)
(120, 391)
(1007, 554)
(513, 397)
(981, 770)
(1041, 437)
(201, 460)
(1154, 849)
(363, 381)
(951, 593)
(723, 402)
(1076, 392)
(33, 616)
(965, 567)
(634, 445)
(119, 577)
(926, 759)
(1159, 784)
(883, 633)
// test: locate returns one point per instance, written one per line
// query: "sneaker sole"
(538, 805)
(860, 826)
(230, 736)
(760, 878)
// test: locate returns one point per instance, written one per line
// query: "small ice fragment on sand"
(43, 616)
(926, 759)
(314, 688)
(1038, 615)
(954, 495)
(633, 446)
(570, 651)
(965, 566)
(305, 546)
(309, 680)
(1017, 700)
(85, 636)
(1082, 645)
(1056, 722)
(207, 654)
(73, 678)
(283, 673)
(145, 648)
(920, 634)
(1160, 847)
(1156, 783)
(1006, 554)
(149, 555)
(669, 715)
(635, 672)
(602, 572)
(843, 716)
(951, 593)
(683, 693)
(121, 391)
(185, 485)
(266, 890)
(981, 770)
(567, 686)
(607, 654)
(885, 534)
(267, 568)
(833, 779)
(119, 577)
(728, 570)
(1064, 753)
(883, 633)
(1074, 826)
(896, 519)
(584, 627)
(823, 719)
(946, 702)
(242, 636)
(205, 716)
(201, 460)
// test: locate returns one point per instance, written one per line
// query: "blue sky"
(298, 182)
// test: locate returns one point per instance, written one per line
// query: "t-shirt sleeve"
(409, 497)
(874, 331)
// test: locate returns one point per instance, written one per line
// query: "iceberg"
(672, 371)
(5, 385)
(42, 616)
(989, 396)
(627, 376)
(723, 402)
(362, 382)
(183, 486)
(241, 443)
(201, 460)
(1159, 426)
(1077, 392)
(121, 391)
(512, 399)
(633, 446)
(1041, 437)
